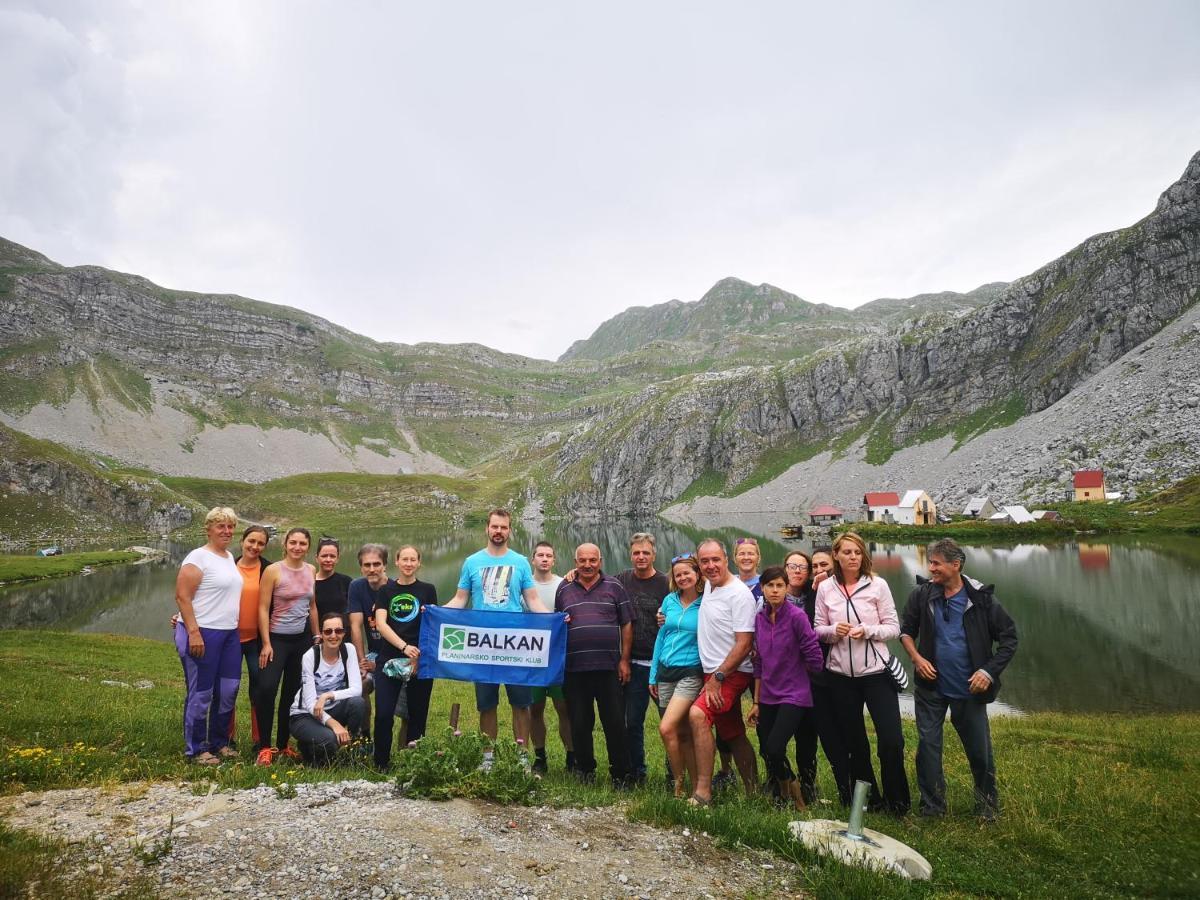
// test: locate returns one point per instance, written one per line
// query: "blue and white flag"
(493, 647)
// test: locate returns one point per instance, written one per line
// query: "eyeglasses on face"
(681, 557)
(796, 567)
(331, 632)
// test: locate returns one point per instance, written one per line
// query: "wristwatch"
(719, 676)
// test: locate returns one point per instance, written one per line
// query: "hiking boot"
(539, 764)
(722, 780)
(808, 790)
(266, 756)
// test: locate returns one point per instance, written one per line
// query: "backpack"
(316, 655)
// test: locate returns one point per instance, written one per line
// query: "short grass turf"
(1094, 805)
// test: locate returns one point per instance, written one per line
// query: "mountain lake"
(1106, 624)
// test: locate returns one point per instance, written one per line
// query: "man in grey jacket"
(960, 639)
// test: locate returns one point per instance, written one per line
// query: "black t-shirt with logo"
(404, 613)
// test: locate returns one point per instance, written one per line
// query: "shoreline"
(16, 570)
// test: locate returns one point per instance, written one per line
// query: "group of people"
(805, 641)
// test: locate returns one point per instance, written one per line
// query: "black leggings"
(777, 724)
(288, 650)
(387, 693)
(878, 692)
(821, 724)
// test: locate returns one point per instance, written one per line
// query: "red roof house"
(881, 498)
(1089, 486)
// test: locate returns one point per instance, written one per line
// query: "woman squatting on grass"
(329, 708)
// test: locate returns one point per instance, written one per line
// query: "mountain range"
(750, 397)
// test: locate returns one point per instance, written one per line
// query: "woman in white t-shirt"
(329, 710)
(209, 592)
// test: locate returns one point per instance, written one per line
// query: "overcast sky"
(516, 173)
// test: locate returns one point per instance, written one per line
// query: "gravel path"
(359, 839)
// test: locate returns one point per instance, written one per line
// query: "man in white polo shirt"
(725, 636)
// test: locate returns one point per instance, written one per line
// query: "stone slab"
(882, 853)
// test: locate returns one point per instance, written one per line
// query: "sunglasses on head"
(741, 541)
(330, 632)
(681, 557)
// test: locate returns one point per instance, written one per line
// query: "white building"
(980, 508)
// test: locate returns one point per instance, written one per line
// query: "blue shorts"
(487, 696)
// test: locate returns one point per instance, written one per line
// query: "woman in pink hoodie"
(856, 616)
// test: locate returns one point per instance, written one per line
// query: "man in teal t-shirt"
(499, 579)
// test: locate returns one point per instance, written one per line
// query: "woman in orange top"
(251, 565)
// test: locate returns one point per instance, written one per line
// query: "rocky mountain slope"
(1138, 420)
(648, 411)
(1046, 334)
(48, 492)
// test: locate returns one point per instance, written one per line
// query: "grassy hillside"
(333, 501)
(51, 493)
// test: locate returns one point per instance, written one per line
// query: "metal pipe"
(858, 806)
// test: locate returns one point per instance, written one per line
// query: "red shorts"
(729, 719)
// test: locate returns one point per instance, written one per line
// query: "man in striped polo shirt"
(599, 643)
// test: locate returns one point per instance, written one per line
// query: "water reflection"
(1103, 625)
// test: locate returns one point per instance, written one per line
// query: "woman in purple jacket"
(786, 652)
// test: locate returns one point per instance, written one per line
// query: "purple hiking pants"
(212, 686)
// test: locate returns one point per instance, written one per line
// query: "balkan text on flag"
(492, 647)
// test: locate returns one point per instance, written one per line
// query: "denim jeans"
(637, 698)
(969, 718)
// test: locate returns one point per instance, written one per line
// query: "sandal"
(697, 800)
(228, 752)
(205, 759)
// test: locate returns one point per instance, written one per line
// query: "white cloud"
(452, 173)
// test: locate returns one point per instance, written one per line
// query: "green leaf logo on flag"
(454, 638)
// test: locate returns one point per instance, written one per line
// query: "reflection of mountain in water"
(1113, 637)
(1103, 626)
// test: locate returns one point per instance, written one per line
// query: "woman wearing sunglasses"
(819, 723)
(329, 707)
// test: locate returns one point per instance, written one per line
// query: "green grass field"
(34, 568)
(1094, 806)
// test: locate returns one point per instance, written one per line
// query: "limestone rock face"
(1041, 337)
(677, 400)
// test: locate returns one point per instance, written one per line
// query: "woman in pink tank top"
(287, 622)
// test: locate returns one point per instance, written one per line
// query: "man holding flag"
(499, 579)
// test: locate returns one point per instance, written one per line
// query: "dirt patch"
(359, 839)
